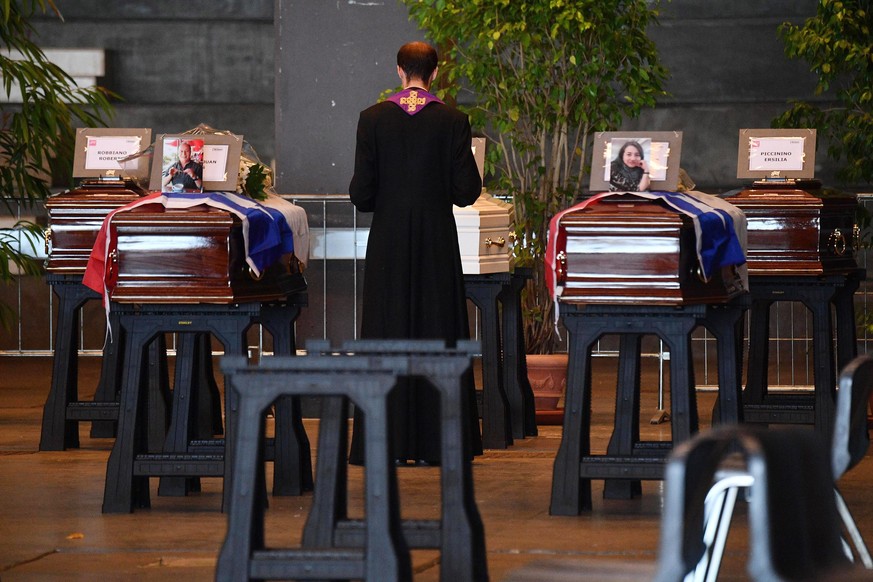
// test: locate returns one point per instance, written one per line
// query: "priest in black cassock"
(413, 160)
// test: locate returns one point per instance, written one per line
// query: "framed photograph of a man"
(100, 150)
(633, 161)
(196, 163)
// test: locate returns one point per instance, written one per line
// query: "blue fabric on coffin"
(266, 231)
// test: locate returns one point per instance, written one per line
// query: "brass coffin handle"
(499, 241)
(48, 240)
(255, 277)
(837, 242)
(113, 261)
(856, 238)
(561, 267)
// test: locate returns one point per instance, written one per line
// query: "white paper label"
(776, 153)
(215, 163)
(103, 152)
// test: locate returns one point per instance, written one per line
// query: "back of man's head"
(418, 60)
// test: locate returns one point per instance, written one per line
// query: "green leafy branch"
(255, 184)
(836, 43)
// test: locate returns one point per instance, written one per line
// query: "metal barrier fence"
(334, 274)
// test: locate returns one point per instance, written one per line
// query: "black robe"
(409, 170)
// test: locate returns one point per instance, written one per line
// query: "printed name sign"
(776, 153)
(103, 152)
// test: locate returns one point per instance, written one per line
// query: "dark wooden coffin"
(626, 250)
(195, 255)
(75, 217)
(792, 231)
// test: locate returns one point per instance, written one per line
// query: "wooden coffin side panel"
(637, 254)
(485, 249)
(838, 240)
(611, 260)
(793, 232)
(75, 218)
(484, 236)
(192, 256)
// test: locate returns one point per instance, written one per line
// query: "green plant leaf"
(37, 134)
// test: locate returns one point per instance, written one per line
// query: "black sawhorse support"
(292, 461)
(628, 459)
(459, 534)
(519, 393)
(196, 410)
(63, 410)
(818, 293)
(129, 466)
(335, 547)
(724, 322)
(483, 291)
(508, 408)
(193, 421)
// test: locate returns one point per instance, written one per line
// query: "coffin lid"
(97, 194)
(634, 212)
(487, 210)
(778, 197)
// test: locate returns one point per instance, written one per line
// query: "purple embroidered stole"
(413, 100)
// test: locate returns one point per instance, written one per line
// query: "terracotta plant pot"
(547, 374)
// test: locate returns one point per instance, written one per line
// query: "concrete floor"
(51, 526)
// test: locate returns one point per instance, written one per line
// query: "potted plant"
(36, 131)
(836, 44)
(539, 79)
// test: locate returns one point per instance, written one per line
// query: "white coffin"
(484, 235)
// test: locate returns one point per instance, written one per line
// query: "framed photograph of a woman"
(635, 161)
(196, 163)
